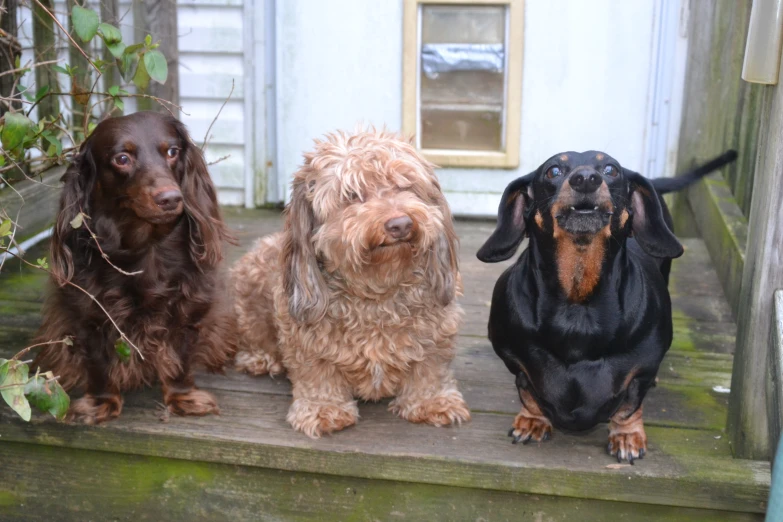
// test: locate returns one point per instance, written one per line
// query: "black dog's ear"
(510, 230)
(78, 182)
(647, 222)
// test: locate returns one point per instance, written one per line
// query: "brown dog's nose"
(585, 182)
(399, 227)
(168, 199)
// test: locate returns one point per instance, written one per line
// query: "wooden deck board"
(689, 464)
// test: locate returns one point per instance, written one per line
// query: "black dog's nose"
(399, 227)
(584, 182)
(168, 199)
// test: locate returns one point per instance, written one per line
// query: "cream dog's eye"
(354, 196)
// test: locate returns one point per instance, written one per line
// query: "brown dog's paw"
(258, 364)
(529, 427)
(442, 410)
(193, 402)
(316, 418)
(91, 409)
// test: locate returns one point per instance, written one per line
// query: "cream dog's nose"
(399, 227)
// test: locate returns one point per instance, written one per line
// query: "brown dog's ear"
(443, 263)
(302, 279)
(78, 181)
(510, 230)
(647, 221)
(208, 231)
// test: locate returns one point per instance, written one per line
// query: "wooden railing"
(739, 214)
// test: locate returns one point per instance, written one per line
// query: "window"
(462, 80)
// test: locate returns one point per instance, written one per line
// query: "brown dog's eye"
(121, 160)
(173, 152)
(553, 172)
(611, 170)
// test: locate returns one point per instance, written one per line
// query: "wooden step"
(248, 463)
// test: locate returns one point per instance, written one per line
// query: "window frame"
(411, 64)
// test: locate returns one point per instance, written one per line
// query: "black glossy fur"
(583, 318)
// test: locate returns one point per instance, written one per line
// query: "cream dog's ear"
(443, 263)
(302, 279)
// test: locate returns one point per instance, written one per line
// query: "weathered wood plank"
(775, 379)
(158, 18)
(761, 276)
(716, 45)
(113, 486)
(685, 467)
(35, 202)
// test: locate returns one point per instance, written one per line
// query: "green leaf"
(3, 369)
(2, 158)
(43, 91)
(142, 78)
(114, 90)
(123, 350)
(5, 228)
(147, 42)
(13, 388)
(116, 49)
(59, 69)
(85, 22)
(15, 129)
(46, 394)
(119, 104)
(78, 220)
(156, 66)
(58, 145)
(131, 49)
(110, 34)
(128, 64)
(91, 127)
(43, 264)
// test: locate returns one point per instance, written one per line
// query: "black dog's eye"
(173, 152)
(553, 172)
(611, 170)
(121, 160)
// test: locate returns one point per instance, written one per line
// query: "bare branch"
(27, 67)
(206, 136)
(222, 158)
(94, 299)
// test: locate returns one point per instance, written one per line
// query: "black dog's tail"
(666, 185)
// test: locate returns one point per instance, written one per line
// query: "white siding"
(211, 55)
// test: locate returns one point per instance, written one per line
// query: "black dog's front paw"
(529, 427)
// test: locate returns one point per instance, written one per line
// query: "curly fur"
(341, 305)
(173, 310)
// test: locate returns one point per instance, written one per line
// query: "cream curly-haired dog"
(356, 297)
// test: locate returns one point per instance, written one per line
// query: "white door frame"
(666, 91)
(260, 175)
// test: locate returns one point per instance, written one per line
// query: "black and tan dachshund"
(583, 318)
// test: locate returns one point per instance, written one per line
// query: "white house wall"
(586, 77)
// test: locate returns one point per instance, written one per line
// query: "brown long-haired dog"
(356, 297)
(153, 209)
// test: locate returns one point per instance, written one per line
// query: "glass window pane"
(452, 128)
(463, 24)
(462, 77)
